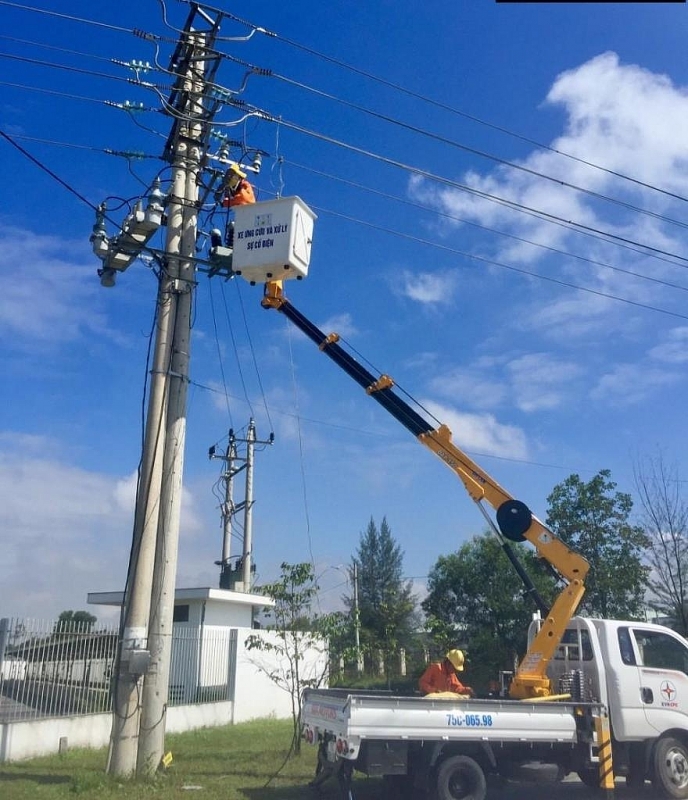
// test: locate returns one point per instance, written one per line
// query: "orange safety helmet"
(456, 659)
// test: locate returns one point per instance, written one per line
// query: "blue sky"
(468, 303)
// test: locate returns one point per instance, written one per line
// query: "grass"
(230, 763)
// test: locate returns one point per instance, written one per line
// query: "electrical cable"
(236, 350)
(46, 46)
(219, 353)
(465, 148)
(47, 170)
(73, 145)
(351, 68)
(488, 229)
(72, 18)
(433, 177)
(383, 435)
(502, 265)
(253, 356)
(436, 103)
(54, 92)
(79, 70)
(520, 207)
(297, 416)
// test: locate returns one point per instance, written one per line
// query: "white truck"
(628, 689)
(587, 694)
(590, 696)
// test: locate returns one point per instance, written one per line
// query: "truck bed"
(355, 715)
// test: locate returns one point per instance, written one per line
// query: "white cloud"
(624, 117)
(64, 531)
(51, 299)
(471, 386)
(674, 350)
(571, 316)
(481, 432)
(627, 384)
(633, 122)
(541, 381)
(534, 381)
(342, 324)
(428, 288)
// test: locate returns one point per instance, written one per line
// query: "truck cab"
(639, 671)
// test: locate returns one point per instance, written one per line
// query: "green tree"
(387, 606)
(593, 519)
(297, 632)
(665, 517)
(75, 621)
(476, 600)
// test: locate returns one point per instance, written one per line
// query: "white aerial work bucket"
(272, 240)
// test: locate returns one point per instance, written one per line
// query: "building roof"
(185, 595)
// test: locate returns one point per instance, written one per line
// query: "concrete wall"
(256, 695)
(228, 616)
(21, 740)
(205, 715)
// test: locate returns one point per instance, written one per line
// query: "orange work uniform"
(441, 677)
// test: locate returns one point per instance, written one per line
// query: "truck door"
(662, 661)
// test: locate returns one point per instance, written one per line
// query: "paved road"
(569, 789)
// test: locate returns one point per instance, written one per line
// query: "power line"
(465, 148)
(383, 435)
(545, 216)
(438, 104)
(81, 71)
(127, 154)
(46, 46)
(56, 93)
(47, 170)
(502, 265)
(434, 177)
(419, 240)
(72, 18)
(512, 236)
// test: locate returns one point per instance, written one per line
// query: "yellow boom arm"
(514, 519)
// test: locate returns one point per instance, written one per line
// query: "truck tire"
(590, 776)
(671, 768)
(461, 778)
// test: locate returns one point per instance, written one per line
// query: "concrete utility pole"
(137, 739)
(228, 508)
(247, 552)
(248, 508)
(357, 622)
(151, 745)
(132, 661)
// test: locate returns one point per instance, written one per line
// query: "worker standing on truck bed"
(441, 676)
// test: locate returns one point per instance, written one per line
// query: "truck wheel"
(590, 777)
(671, 768)
(461, 778)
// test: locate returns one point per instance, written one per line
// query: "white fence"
(51, 669)
(55, 684)
(48, 669)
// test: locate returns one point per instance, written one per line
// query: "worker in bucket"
(441, 676)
